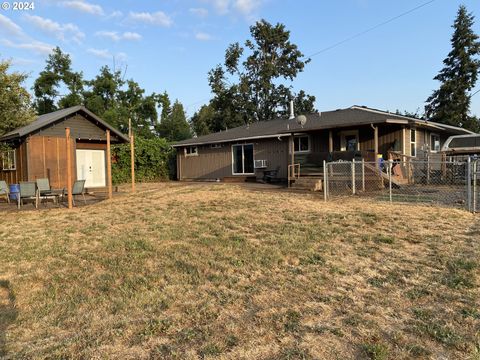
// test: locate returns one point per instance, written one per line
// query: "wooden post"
(69, 168)
(330, 141)
(132, 153)
(132, 161)
(375, 135)
(109, 167)
(293, 155)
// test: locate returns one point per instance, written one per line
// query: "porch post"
(375, 136)
(292, 155)
(69, 168)
(330, 141)
(109, 167)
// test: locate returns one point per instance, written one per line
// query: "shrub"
(154, 161)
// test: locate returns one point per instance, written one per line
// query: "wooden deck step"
(308, 183)
(397, 180)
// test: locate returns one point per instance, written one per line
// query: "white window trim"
(302, 151)
(343, 141)
(413, 142)
(14, 168)
(431, 143)
(191, 154)
(243, 159)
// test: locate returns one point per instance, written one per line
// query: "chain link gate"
(442, 183)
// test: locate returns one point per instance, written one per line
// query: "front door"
(91, 167)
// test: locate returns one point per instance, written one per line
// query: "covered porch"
(309, 150)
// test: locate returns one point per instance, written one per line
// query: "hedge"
(154, 161)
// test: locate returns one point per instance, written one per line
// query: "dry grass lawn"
(219, 271)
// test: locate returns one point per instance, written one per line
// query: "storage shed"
(39, 150)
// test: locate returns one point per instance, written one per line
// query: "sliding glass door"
(242, 159)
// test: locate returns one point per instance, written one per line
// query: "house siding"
(216, 163)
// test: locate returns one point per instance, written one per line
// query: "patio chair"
(28, 191)
(45, 191)
(78, 188)
(4, 191)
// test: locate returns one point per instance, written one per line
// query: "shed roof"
(352, 116)
(46, 120)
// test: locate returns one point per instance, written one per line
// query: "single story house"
(357, 132)
(38, 150)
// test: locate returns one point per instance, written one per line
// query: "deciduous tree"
(15, 103)
(257, 86)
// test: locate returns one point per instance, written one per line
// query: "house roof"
(46, 120)
(352, 116)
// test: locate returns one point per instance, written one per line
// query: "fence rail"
(444, 183)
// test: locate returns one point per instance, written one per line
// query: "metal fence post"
(325, 178)
(363, 174)
(390, 161)
(475, 170)
(469, 184)
(428, 169)
(353, 177)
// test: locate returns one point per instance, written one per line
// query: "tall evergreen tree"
(450, 104)
(202, 120)
(175, 127)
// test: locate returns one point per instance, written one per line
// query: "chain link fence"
(443, 183)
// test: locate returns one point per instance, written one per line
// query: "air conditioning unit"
(260, 164)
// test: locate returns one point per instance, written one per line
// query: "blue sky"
(172, 44)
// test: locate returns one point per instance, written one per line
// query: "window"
(242, 159)
(301, 143)
(191, 151)
(349, 140)
(413, 142)
(435, 142)
(9, 160)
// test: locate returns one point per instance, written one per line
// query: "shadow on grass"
(8, 313)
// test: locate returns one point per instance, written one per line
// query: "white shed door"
(91, 167)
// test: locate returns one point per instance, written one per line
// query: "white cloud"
(132, 36)
(83, 6)
(115, 14)
(221, 5)
(243, 7)
(203, 36)
(158, 18)
(247, 7)
(106, 54)
(23, 62)
(62, 32)
(101, 53)
(34, 46)
(200, 12)
(9, 28)
(115, 36)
